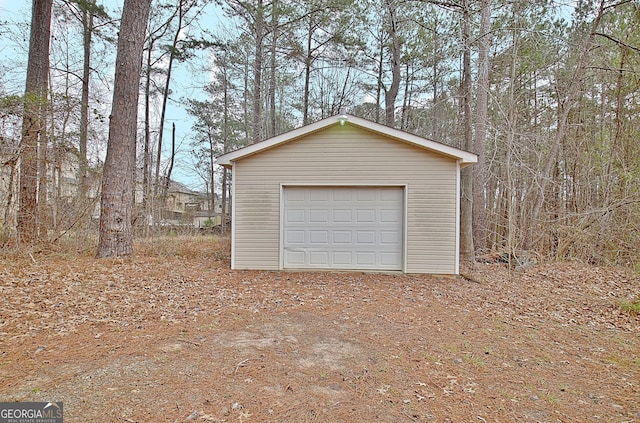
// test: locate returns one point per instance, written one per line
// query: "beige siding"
(344, 155)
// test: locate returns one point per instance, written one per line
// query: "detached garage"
(345, 193)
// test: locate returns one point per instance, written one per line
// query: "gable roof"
(465, 158)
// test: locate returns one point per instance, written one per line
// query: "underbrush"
(188, 246)
(85, 244)
(631, 307)
(64, 247)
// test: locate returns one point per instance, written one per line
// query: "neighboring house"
(346, 193)
(8, 179)
(206, 219)
(183, 204)
(61, 185)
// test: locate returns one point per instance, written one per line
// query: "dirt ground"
(174, 335)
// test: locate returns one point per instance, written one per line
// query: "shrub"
(631, 307)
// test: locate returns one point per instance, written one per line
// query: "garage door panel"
(343, 228)
(342, 216)
(365, 216)
(366, 196)
(390, 237)
(319, 258)
(342, 258)
(321, 196)
(366, 237)
(390, 216)
(389, 258)
(295, 258)
(391, 195)
(295, 237)
(366, 259)
(341, 237)
(319, 216)
(295, 216)
(318, 237)
(341, 196)
(296, 196)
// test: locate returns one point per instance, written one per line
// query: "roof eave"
(227, 158)
(465, 158)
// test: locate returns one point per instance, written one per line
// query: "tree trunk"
(87, 20)
(272, 71)
(618, 122)
(13, 162)
(512, 123)
(308, 60)
(147, 205)
(392, 92)
(87, 32)
(163, 112)
(482, 99)
(379, 85)
(225, 148)
(118, 185)
(257, 74)
(33, 126)
(42, 177)
(573, 93)
(467, 250)
(212, 174)
(150, 184)
(406, 98)
(167, 179)
(245, 100)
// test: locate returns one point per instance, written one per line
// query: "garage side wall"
(349, 156)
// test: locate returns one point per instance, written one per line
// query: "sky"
(187, 82)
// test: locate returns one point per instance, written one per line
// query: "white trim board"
(463, 157)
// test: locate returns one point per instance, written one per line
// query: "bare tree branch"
(615, 40)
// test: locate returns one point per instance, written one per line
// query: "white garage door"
(358, 228)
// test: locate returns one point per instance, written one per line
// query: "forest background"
(545, 92)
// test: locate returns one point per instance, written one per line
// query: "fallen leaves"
(184, 333)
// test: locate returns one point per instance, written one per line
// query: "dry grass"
(173, 334)
(186, 246)
(85, 244)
